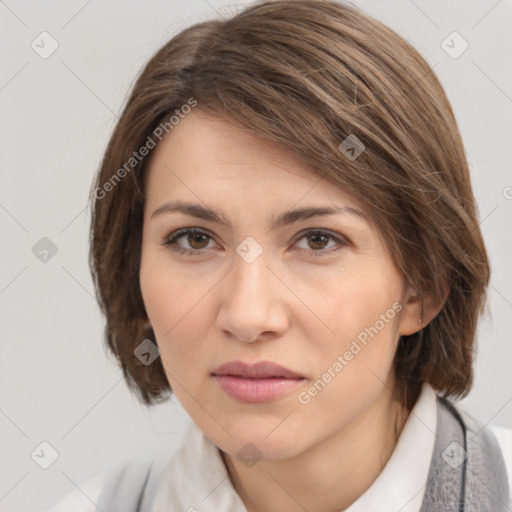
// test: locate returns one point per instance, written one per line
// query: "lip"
(259, 382)
(260, 370)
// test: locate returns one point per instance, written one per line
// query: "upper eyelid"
(178, 233)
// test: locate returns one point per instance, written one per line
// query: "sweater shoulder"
(504, 437)
(82, 498)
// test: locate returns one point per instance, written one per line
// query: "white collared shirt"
(196, 478)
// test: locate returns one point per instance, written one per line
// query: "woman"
(284, 234)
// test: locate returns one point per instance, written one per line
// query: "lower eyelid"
(171, 244)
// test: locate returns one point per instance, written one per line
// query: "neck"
(329, 476)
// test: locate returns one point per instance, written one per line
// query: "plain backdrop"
(57, 385)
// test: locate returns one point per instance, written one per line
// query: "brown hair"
(306, 74)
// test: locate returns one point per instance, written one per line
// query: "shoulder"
(83, 498)
(124, 477)
(495, 437)
(122, 482)
(88, 493)
(496, 443)
(504, 437)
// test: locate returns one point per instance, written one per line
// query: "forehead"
(211, 159)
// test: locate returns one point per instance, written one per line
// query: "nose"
(252, 301)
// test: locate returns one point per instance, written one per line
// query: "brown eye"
(197, 240)
(189, 241)
(318, 241)
(321, 243)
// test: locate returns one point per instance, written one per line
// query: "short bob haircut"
(306, 74)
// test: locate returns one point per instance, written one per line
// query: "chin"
(261, 441)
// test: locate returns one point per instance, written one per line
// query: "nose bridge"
(250, 303)
(250, 280)
(250, 277)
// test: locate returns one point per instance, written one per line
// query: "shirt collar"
(196, 477)
(401, 484)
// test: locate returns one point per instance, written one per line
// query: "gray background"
(57, 385)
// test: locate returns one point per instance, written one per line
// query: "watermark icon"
(44, 45)
(454, 45)
(454, 455)
(44, 455)
(144, 150)
(249, 454)
(507, 193)
(249, 249)
(351, 147)
(44, 250)
(146, 352)
(304, 397)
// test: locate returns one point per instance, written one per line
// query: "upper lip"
(260, 370)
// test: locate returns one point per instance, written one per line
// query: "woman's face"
(318, 295)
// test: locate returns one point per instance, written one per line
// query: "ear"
(413, 318)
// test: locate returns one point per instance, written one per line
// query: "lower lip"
(256, 390)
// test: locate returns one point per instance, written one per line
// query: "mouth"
(261, 370)
(258, 382)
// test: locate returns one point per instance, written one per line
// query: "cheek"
(363, 316)
(174, 311)
(177, 310)
(171, 295)
(352, 372)
(352, 303)
(176, 328)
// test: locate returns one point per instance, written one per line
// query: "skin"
(289, 306)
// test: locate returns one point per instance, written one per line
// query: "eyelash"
(171, 245)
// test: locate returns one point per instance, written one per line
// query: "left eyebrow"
(285, 218)
(292, 216)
